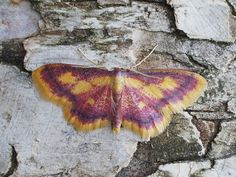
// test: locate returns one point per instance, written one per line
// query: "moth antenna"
(138, 72)
(139, 63)
(78, 49)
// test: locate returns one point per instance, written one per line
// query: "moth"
(142, 101)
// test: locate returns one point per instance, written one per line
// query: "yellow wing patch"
(91, 101)
(153, 91)
(135, 83)
(168, 84)
(67, 78)
(81, 87)
(101, 81)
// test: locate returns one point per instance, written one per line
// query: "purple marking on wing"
(147, 121)
(79, 109)
(151, 114)
(145, 117)
(88, 113)
(178, 93)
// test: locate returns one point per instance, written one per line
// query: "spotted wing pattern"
(149, 98)
(142, 102)
(83, 93)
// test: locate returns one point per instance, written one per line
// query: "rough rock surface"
(225, 142)
(223, 167)
(87, 15)
(42, 50)
(17, 20)
(205, 19)
(231, 105)
(113, 2)
(36, 140)
(183, 169)
(5, 157)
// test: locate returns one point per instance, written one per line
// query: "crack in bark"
(14, 162)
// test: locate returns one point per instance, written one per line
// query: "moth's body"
(142, 102)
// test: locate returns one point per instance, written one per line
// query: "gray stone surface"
(17, 20)
(87, 15)
(42, 50)
(224, 167)
(213, 115)
(232, 105)
(113, 2)
(201, 53)
(5, 156)
(225, 142)
(183, 169)
(205, 19)
(45, 143)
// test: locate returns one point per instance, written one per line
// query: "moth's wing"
(149, 99)
(83, 93)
